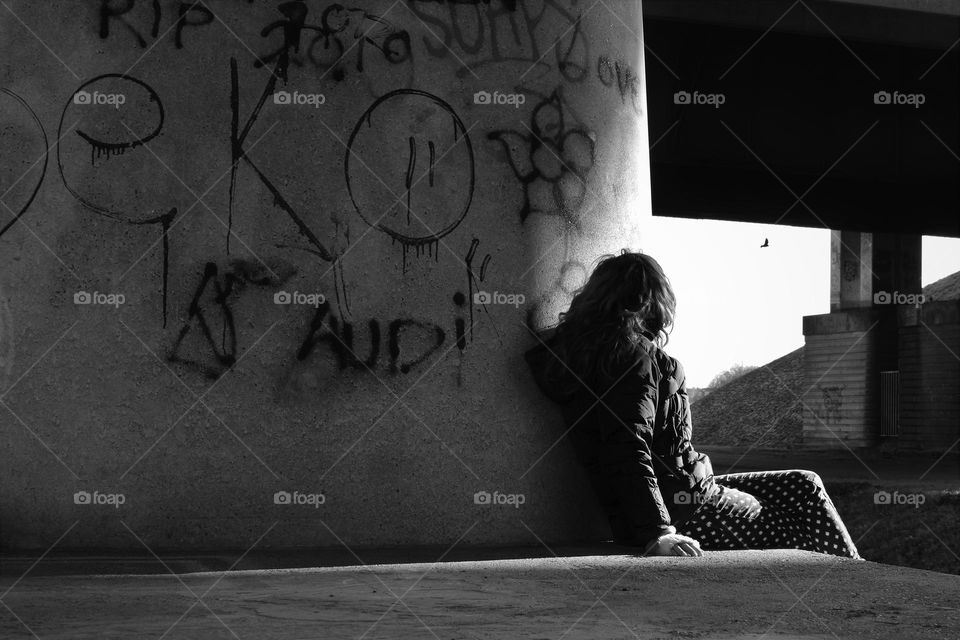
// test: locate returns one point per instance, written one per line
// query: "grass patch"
(907, 530)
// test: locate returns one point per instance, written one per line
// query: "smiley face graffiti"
(409, 168)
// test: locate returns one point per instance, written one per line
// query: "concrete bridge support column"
(282, 263)
(872, 275)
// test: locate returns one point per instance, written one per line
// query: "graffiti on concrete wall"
(100, 109)
(832, 399)
(346, 39)
(550, 156)
(408, 164)
(209, 341)
(408, 341)
(21, 172)
(474, 278)
(211, 297)
(621, 76)
(109, 116)
(132, 17)
(426, 181)
(478, 34)
(851, 269)
(292, 26)
(238, 138)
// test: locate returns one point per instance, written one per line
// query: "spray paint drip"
(100, 149)
(430, 247)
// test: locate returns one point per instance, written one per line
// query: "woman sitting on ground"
(627, 413)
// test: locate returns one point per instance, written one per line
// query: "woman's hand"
(674, 544)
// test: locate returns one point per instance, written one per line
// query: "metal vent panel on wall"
(889, 403)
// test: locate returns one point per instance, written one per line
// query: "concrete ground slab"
(731, 594)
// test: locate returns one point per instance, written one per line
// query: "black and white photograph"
(480, 319)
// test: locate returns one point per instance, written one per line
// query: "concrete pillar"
(928, 341)
(897, 263)
(851, 262)
(871, 277)
(896, 283)
(279, 269)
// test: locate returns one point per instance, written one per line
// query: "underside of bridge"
(840, 115)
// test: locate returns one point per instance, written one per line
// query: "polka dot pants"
(797, 514)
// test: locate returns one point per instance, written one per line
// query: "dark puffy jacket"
(634, 441)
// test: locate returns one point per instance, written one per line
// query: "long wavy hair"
(626, 304)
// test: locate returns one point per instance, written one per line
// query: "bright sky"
(737, 302)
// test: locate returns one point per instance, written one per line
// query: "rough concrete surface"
(732, 594)
(220, 201)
